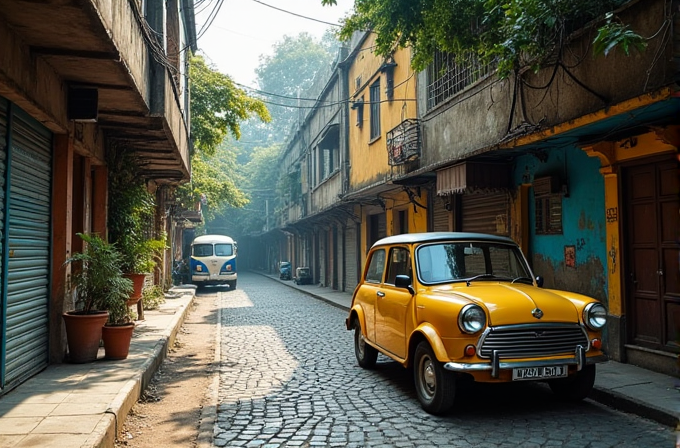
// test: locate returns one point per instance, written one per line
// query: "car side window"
(399, 264)
(376, 266)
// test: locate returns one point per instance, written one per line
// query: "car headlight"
(471, 319)
(595, 316)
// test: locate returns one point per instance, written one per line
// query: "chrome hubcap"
(428, 378)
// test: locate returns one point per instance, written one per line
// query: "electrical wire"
(297, 15)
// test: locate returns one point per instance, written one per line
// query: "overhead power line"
(297, 15)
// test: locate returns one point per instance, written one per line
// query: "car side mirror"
(404, 281)
(539, 281)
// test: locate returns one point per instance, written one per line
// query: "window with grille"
(375, 109)
(549, 214)
(447, 75)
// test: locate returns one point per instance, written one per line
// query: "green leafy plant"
(98, 280)
(153, 297)
(131, 208)
(616, 34)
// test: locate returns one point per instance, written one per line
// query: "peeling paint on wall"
(588, 277)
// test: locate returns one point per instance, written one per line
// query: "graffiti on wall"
(570, 256)
(612, 214)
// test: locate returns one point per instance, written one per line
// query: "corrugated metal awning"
(473, 176)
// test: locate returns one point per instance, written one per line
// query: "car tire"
(435, 387)
(576, 387)
(232, 285)
(365, 354)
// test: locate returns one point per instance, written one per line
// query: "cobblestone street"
(288, 378)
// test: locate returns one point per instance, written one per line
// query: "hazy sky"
(245, 29)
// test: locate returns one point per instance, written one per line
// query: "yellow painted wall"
(368, 159)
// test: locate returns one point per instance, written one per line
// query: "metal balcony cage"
(404, 142)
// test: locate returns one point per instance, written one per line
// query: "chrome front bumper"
(579, 360)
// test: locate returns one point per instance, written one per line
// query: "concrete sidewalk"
(82, 405)
(621, 386)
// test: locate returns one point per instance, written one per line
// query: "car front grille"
(529, 341)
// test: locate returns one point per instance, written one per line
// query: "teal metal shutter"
(3, 163)
(28, 248)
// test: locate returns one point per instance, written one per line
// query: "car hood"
(513, 303)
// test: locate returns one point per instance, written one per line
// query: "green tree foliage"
(259, 179)
(288, 73)
(214, 181)
(218, 106)
(516, 33)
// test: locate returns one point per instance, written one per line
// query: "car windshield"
(471, 261)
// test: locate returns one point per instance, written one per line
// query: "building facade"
(577, 162)
(78, 79)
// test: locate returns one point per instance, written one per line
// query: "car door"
(370, 289)
(392, 304)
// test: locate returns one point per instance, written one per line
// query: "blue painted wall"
(583, 221)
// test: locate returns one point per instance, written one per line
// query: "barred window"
(549, 214)
(447, 75)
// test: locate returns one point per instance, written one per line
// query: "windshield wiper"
(526, 280)
(479, 276)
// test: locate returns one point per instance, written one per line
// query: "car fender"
(432, 337)
(357, 312)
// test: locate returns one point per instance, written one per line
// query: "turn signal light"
(596, 343)
(470, 350)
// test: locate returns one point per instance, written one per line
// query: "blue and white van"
(213, 261)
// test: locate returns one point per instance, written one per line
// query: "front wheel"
(435, 387)
(576, 387)
(365, 354)
(232, 284)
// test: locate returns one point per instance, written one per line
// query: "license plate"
(538, 373)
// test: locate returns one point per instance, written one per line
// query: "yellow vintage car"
(454, 305)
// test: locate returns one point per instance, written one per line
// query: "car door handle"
(380, 294)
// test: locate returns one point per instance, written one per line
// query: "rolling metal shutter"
(486, 213)
(440, 215)
(28, 254)
(351, 265)
(3, 195)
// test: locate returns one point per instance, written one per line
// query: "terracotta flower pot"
(83, 333)
(117, 340)
(137, 287)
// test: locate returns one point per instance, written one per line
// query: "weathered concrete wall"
(119, 19)
(480, 117)
(326, 194)
(29, 82)
(583, 222)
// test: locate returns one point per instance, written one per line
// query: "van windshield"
(203, 250)
(224, 250)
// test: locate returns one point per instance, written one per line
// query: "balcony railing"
(404, 142)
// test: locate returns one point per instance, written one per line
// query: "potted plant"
(117, 332)
(99, 288)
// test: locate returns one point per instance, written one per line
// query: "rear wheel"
(365, 354)
(576, 387)
(435, 387)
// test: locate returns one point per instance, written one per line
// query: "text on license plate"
(536, 373)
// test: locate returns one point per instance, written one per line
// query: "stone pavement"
(83, 405)
(624, 387)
